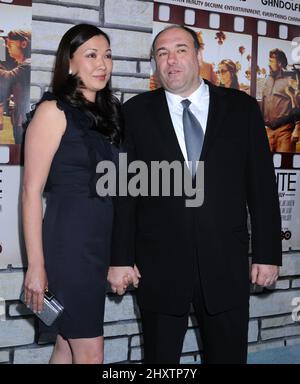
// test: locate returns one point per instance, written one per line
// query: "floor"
(283, 355)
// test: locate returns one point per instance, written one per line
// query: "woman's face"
(92, 62)
(224, 74)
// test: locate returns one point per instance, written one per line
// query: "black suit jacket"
(165, 238)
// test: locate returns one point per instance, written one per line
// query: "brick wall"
(129, 25)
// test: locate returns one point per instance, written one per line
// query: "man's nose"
(172, 58)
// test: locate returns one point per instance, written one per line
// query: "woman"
(227, 71)
(72, 129)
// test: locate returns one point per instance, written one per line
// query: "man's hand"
(120, 277)
(264, 274)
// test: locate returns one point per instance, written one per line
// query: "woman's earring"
(70, 71)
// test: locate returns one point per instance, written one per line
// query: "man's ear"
(153, 64)
(199, 56)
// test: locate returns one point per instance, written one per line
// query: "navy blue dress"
(77, 227)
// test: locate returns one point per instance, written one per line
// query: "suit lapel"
(164, 126)
(216, 114)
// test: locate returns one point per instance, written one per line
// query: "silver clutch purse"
(52, 308)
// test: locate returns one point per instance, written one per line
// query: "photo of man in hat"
(15, 81)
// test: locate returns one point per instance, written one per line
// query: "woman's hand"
(35, 284)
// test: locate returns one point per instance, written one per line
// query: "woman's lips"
(100, 77)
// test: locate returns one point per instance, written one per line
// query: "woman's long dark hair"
(105, 112)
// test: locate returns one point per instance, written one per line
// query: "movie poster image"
(278, 93)
(226, 57)
(288, 181)
(15, 64)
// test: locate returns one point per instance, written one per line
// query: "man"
(197, 255)
(277, 106)
(17, 80)
(206, 70)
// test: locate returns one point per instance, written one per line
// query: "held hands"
(120, 277)
(35, 284)
(264, 274)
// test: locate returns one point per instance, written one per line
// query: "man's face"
(15, 48)
(274, 65)
(177, 62)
